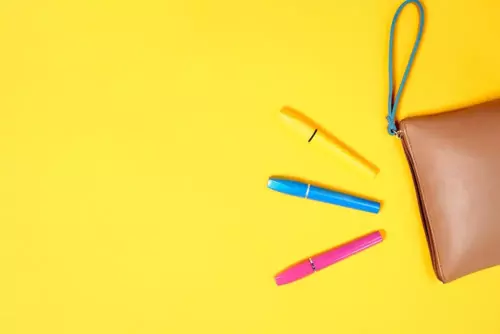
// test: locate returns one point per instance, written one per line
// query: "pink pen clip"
(323, 260)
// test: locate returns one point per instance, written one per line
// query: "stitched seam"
(410, 150)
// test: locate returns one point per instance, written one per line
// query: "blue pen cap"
(288, 187)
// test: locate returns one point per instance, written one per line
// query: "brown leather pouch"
(455, 161)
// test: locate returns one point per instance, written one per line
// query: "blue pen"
(299, 189)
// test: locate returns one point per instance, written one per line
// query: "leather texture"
(455, 162)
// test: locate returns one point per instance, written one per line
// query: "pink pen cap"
(323, 260)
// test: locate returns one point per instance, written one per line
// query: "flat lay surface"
(137, 139)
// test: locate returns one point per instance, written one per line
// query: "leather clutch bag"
(454, 158)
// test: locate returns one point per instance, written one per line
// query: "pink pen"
(318, 262)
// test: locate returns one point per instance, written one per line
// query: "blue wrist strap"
(394, 100)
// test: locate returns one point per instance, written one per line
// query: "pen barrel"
(344, 251)
(346, 153)
(345, 200)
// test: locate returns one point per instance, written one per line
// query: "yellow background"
(136, 139)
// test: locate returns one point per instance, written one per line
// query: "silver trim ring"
(307, 191)
(312, 264)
